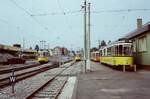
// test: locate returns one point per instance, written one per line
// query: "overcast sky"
(66, 30)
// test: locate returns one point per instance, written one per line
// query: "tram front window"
(119, 51)
(124, 50)
(127, 51)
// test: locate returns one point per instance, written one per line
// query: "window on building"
(142, 44)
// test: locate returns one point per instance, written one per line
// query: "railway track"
(16, 67)
(52, 88)
(24, 73)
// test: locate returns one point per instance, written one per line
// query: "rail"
(52, 88)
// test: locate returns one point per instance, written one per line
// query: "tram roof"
(9, 48)
(120, 43)
(116, 44)
(95, 52)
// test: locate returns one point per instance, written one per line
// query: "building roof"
(16, 49)
(143, 29)
(10, 48)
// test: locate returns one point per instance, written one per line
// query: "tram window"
(127, 51)
(100, 52)
(109, 51)
(104, 52)
(97, 54)
(120, 50)
(113, 50)
(44, 54)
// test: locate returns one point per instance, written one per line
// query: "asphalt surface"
(106, 83)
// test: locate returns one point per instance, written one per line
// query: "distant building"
(60, 51)
(57, 51)
(51, 52)
(141, 43)
(64, 51)
(16, 50)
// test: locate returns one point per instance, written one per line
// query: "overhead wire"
(120, 10)
(4, 21)
(60, 7)
(56, 13)
(70, 12)
(77, 11)
(28, 13)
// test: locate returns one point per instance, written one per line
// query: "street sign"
(12, 79)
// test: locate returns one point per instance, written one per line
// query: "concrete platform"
(69, 90)
(106, 83)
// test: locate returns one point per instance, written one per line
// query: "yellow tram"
(95, 56)
(43, 57)
(117, 54)
(78, 57)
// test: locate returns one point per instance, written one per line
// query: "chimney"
(139, 23)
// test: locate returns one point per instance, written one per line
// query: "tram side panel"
(117, 61)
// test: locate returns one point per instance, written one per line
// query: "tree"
(30, 48)
(94, 49)
(109, 42)
(37, 47)
(103, 43)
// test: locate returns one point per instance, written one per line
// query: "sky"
(31, 21)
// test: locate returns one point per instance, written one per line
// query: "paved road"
(105, 83)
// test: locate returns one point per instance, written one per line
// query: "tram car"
(117, 54)
(43, 57)
(95, 56)
(78, 57)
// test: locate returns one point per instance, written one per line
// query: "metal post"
(88, 38)
(12, 80)
(13, 84)
(124, 68)
(59, 60)
(134, 67)
(23, 43)
(85, 5)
